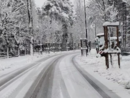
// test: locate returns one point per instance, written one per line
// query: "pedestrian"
(89, 45)
(40, 50)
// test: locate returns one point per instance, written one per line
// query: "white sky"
(39, 3)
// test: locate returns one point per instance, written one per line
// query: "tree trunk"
(25, 51)
(65, 37)
(31, 49)
(31, 46)
(64, 43)
(7, 52)
(18, 50)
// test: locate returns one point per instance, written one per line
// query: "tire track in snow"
(7, 80)
(100, 88)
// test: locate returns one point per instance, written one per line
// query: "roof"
(83, 38)
(100, 34)
(114, 38)
(111, 24)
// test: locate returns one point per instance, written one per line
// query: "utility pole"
(95, 30)
(86, 26)
(30, 24)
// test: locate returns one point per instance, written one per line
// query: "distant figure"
(89, 44)
(112, 45)
(97, 48)
(40, 50)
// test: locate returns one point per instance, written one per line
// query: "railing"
(3, 55)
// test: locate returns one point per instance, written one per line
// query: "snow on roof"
(114, 38)
(83, 38)
(111, 24)
(100, 34)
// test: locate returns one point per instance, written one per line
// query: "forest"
(58, 25)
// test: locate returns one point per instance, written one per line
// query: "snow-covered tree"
(14, 22)
(80, 19)
(61, 11)
(10, 17)
(47, 29)
(127, 1)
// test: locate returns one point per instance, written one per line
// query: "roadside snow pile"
(97, 65)
(127, 86)
(114, 74)
(11, 64)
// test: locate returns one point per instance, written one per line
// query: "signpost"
(83, 44)
(111, 47)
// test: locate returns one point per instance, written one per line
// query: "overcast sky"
(39, 3)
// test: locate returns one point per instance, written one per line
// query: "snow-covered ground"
(66, 79)
(11, 64)
(19, 87)
(114, 74)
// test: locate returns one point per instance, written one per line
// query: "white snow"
(12, 64)
(114, 38)
(100, 34)
(75, 83)
(119, 77)
(111, 24)
(117, 50)
(67, 76)
(19, 87)
(5, 93)
(84, 48)
(127, 1)
(83, 38)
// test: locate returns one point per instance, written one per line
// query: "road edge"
(119, 91)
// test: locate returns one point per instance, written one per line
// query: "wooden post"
(118, 46)
(107, 60)
(111, 59)
(117, 37)
(87, 47)
(106, 46)
(119, 60)
(105, 36)
(81, 47)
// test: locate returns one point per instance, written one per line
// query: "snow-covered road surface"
(63, 80)
(12, 76)
(54, 77)
(21, 80)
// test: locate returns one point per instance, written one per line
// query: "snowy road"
(55, 77)
(6, 79)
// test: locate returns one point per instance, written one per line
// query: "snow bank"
(114, 74)
(127, 86)
(12, 64)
